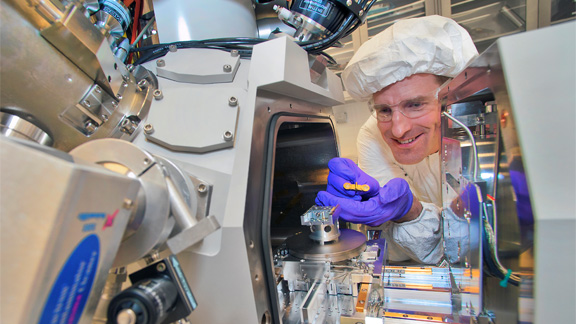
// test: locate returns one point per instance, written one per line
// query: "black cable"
(244, 45)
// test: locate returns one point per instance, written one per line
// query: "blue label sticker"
(69, 293)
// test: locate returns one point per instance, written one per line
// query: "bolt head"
(228, 136)
(160, 267)
(148, 129)
(158, 95)
(128, 203)
(227, 68)
(233, 101)
(160, 63)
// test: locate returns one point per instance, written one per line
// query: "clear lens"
(411, 108)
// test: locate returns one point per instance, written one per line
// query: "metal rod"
(473, 144)
(142, 32)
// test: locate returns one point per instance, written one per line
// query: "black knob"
(146, 302)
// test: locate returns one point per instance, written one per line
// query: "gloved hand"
(345, 173)
(392, 202)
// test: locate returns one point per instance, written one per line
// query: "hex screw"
(142, 84)
(173, 48)
(160, 267)
(202, 188)
(158, 95)
(98, 89)
(349, 3)
(128, 203)
(227, 68)
(148, 129)
(160, 63)
(90, 127)
(128, 126)
(233, 101)
(228, 136)
(87, 103)
(234, 53)
(114, 104)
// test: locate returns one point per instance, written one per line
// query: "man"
(400, 71)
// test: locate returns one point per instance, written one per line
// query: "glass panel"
(562, 10)
(385, 12)
(486, 20)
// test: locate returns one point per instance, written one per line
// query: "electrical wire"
(244, 45)
(490, 256)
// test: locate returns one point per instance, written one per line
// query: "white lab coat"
(421, 238)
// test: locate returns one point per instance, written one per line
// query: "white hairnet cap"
(432, 44)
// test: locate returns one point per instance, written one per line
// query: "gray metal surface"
(548, 160)
(150, 224)
(348, 246)
(59, 84)
(202, 66)
(191, 20)
(12, 125)
(522, 172)
(242, 175)
(43, 231)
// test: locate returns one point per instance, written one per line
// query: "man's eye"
(384, 110)
(415, 105)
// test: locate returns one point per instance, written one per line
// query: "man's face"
(411, 140)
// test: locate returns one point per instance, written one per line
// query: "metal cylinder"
(198, 20)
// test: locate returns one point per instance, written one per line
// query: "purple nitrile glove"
(345, 171)
(393, 201)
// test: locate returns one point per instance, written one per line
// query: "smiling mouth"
(408, 141)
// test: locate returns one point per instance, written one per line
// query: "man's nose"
(400, 124)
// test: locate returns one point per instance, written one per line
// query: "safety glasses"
(411, 108)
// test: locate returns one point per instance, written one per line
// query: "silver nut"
(148, 129)
(227, 68)
(158, 95)
(160, 63)
(228, 136)
(233, 101)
